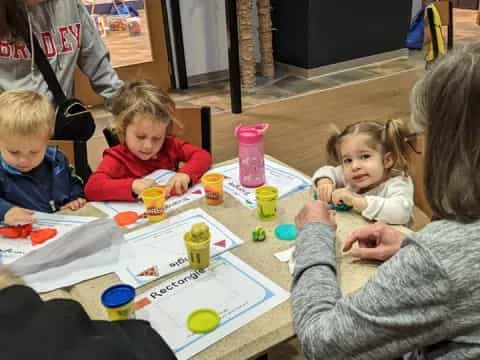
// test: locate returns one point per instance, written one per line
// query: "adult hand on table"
(375, 241)
(315, 211)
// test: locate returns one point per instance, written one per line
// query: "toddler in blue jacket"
(33, 176)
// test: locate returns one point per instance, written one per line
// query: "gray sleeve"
(404, 305)
(94, 59)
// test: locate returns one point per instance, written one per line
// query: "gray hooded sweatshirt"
(424, 301)
(68, 37)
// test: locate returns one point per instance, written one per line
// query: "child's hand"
(345, 196)
(75, 204)
(18, 216)
(141, 184)
(178, 184)
(324, 189)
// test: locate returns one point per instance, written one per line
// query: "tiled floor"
(216, 94)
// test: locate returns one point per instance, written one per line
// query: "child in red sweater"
(143, 121)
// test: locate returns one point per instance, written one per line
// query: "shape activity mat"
(13, 249)
(285, 179)
(159, 249)
(112, 208)
(236, 291)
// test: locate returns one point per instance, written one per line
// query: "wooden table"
(273, 327)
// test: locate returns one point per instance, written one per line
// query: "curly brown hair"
(141, 98)
(13, 20)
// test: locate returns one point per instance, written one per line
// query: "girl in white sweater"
(373, 173)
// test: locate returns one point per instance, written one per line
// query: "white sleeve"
(334, 173)
(395, 206)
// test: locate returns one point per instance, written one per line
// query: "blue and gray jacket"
(46, 188)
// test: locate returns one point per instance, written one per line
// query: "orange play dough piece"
(10, 232)
(25, 230)
(125, 218)
(41, 235)
(15, 232)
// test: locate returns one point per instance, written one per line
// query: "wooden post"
(247, 51)
(265, 36)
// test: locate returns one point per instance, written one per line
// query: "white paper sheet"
(286, 179)
(112, 208)
(87, 251)
(236, 291)
(13, 249)
(160, 248)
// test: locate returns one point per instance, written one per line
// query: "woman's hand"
(75, 204)
(375, 241)
(18, 216)
(315, 211)
(177, 185)
(324, 189)
(141, 184)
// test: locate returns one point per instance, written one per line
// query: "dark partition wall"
(313, 33)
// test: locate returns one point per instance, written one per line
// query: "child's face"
(364, 167)
(144, 136)
(22, 152)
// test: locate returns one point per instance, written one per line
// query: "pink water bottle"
(251, 154)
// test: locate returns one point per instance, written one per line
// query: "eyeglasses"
(412, 141)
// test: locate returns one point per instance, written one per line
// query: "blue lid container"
(118, 295)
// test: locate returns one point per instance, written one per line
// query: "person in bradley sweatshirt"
(68, 38)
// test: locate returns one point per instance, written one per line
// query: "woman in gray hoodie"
(67, 36)
(425, 300)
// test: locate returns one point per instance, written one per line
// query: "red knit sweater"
(119, 168)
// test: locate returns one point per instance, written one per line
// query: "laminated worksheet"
(112, 208)
(13, 249)
(159, 249)
(284, 178)
(234, 290)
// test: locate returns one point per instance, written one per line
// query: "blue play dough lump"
(286, 232)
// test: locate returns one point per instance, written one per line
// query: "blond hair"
(445, 103)
(141, 98)
(390, 136)
(27, 113)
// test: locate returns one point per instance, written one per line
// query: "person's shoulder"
(399, 178)
(454, 244)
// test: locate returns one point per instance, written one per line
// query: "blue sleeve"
(4, 204)
(75, 182)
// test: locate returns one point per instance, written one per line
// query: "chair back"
(196, 123)
(76, 153)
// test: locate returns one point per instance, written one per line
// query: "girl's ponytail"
(332, 146)
(394, 139)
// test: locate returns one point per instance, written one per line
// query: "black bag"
(73, 120)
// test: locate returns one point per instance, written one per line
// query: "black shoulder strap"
(47, 72)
